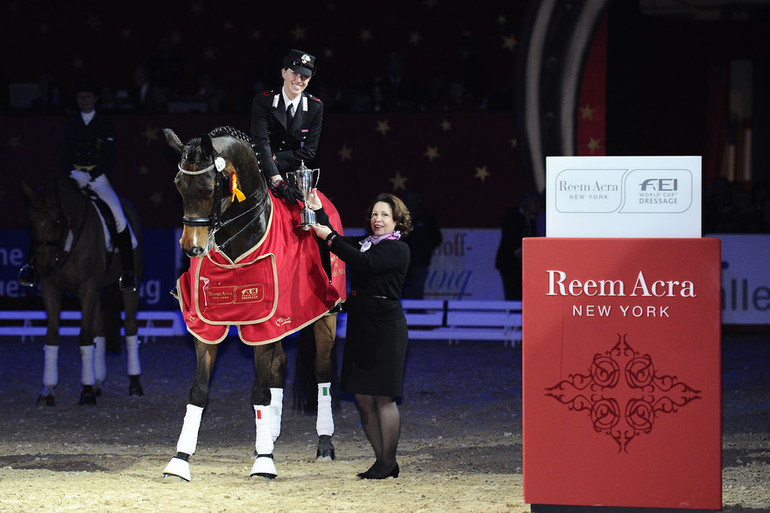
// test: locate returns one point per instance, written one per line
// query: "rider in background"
(286, 124)
(88, 156)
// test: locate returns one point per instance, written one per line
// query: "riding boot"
(125, 248)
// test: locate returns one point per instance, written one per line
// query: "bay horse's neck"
(244, 225)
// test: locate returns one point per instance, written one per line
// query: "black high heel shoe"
(373, 473)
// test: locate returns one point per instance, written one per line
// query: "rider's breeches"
(102, 187)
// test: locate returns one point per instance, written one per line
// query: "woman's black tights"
(382, 424)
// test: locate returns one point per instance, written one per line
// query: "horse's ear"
(28, 191)
(173, 140)
(206, 145)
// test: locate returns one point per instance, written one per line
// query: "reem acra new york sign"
(623, 197)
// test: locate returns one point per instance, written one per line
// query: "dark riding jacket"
(283, 145)
(89, 145)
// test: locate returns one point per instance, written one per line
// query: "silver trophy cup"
(305, 179)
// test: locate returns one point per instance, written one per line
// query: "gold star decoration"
(345, 153)
(143, 170)
(587, 112)
(298, 33)
(431, 153)
(14, 143)
(150, 134)
(365, 35)
(398, 181)
(481, 173)
(446, 125)
(594, 144)
(415, 38)
(156, 198)
(383, 127)
(509, 42)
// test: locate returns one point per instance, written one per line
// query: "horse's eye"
(208, 192)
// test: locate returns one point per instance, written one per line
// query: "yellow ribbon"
(237, 193)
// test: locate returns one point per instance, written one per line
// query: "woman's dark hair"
(401, 214)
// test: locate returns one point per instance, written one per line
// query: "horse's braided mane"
(233, 132)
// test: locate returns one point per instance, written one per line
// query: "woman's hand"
(312, 201)
(322, 231)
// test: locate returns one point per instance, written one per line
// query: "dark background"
(664, 62)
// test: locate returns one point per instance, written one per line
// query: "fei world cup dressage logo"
(623, 393)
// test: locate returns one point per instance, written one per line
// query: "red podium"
(622, 373)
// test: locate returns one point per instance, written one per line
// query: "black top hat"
(300, 62)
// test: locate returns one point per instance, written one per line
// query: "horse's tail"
(305, 388)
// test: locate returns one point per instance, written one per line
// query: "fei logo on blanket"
(227, 295)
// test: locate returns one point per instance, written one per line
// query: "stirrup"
(127, 282)
(27, 276)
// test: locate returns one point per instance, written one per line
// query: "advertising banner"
(623, 196)
(745, 280)
(621, 372)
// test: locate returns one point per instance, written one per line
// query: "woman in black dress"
(376, 340)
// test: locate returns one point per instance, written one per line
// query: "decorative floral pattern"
(623, 393)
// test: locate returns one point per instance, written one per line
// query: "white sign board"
(623, 197)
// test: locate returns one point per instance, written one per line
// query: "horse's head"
(47, 225)
(219, 180)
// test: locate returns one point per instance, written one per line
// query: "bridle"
(214, 220)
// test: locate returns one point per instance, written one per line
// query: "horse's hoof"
(87, 396)
(45, 400)
(135, 388)
(325, 450)
(264, 467)
(178, 468)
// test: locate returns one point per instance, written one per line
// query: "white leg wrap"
(276, 410)
(51, 368)
(87, 365)
(188, 438)
(132, 349)
(264, 442)
(324, 424)
(100, 362)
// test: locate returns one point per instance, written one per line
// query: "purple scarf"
(372, 239)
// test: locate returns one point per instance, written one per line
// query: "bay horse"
(70, 250)
(250, 267)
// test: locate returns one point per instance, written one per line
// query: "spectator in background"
(49, 99)
(424, 239)
(395, 92)
(518, 222)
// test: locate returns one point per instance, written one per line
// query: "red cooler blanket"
(274, 289)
